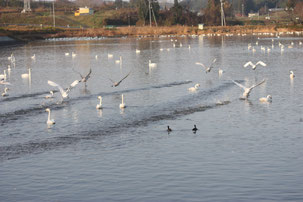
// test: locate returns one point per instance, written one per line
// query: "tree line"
(185, 12)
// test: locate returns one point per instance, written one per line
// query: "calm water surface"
(244, 149)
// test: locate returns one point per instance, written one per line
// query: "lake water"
(244, 150)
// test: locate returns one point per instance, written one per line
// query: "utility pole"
(149, 10)
(54, 21)
(223, 22)
(27, 6)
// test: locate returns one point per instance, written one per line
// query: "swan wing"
(88, 75)
(51, 83)
(257, 84)
(261, 63)
(248, 63)
(238, 84)
(198, 63)
(123, 78)
(78, 73)
(213, 61)
(74, 84)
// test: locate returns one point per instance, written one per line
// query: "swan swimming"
(64, 93)
(49, 120)
(194, 88)
(207, 69)
(254, 66)
(33, 57)
(51, 95)
(291, 75)
(268, 98)
(110, 56)
(74, 55)
(3, 76)
(26, 75)
(247, 90)
(119, 61)
(99, 106)
(122, 105)
(5, 92)
(11, 57)
(138, 51)
(2, 82)
(115, 84)
(150, 64)
(66, 54)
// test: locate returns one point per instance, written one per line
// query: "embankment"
(35, 33)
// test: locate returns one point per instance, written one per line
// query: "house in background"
(84, 11)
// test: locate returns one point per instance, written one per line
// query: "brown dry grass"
(145, 31)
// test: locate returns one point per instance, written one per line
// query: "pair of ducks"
(194, 129)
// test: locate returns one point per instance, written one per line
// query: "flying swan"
(247, 90)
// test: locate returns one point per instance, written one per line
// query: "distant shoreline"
(26, 34)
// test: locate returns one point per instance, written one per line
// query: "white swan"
(49, 120)
(151, 64)
(5, 92)
(194, 88)
(27, 75)
(291, 75)
(138, 51)
(51, 95)
(122, 105)
(207, 69)
(66, 54)
(3, 76)
(33, 57)
(74, 55)
(247, 90)
(110, 56)
(254, 66)
(99, 106)
(220, 71)
(119, 61)
(11, 57)
(2, 82)
(64, 93)
(268, 98)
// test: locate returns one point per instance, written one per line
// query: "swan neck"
(48, 115)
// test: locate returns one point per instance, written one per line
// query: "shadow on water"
(165, 111)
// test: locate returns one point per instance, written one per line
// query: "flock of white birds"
(84, 78)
